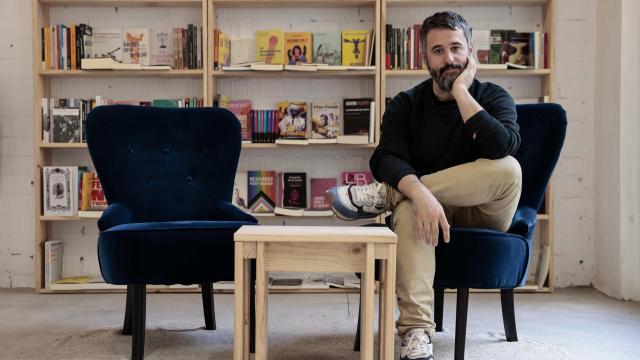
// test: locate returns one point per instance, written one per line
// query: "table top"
(342, 234)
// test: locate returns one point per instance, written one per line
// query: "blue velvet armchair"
(488, 259)
(167, 175)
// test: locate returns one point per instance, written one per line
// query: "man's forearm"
(466, 103)
(411, 187)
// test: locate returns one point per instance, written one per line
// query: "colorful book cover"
(292, 122)
(297, 47)
(499, 46)
(325, 120)
(518, 49)
(356, 178)
(240, 191)
(98, 201)
(224, 50)
(319, 197)
(270, 46)
(327, 48)
(292, 190)
(262, 191)
(353, 47)
(165, 103)
(242, 110)
(357, 116)
(135, 46)
(161, 47)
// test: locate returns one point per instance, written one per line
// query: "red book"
(242, 110)
(319, 197)
(356, 178)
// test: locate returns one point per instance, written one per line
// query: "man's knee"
(508, 169)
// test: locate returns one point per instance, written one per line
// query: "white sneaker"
(416, 345)
(353, 202)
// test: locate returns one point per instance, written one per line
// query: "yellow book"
(74, 280)
(85, 194)
(72, 44)
(270, 46)
(297, 48)
(224, 50)
(353, 47)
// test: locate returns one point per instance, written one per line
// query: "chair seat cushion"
(482, 259)
(179, 252)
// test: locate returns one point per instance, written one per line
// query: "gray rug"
(313, 337)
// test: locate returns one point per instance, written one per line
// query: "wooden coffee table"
(315, 249)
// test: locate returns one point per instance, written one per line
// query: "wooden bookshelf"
(293, 74)
(121, 73)
(391, 3)
(122, 3)
(480, 73)
(292, 3)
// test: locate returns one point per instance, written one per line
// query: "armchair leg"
(462, 306)
(138, 313)
(126, 328)
(208, 306)
(438, 307)
(508, 314)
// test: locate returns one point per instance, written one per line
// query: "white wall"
(573, 197)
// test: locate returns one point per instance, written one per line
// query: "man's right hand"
(429, 216)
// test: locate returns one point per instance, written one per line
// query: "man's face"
(447, 52)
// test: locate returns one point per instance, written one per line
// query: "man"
(444, 158)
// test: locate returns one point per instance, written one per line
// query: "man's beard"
(445, 81)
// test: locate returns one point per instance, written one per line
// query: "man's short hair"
(444, 20)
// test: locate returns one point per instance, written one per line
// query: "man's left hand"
(465, 79)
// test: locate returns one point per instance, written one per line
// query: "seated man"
(444, 158)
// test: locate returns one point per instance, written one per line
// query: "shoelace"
(418, 345)
(368, 194)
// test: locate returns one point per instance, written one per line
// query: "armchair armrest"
(524, 222)
(229, 212)
(115, 214)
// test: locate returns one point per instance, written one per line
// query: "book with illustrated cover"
(498, 49)
(239, 198)
(481, 46)
(518, 50)
(107, 42)
(297, 48)
(319, 197)
(60, 190)
(135, 46)
(327, 48)
(292, 190)
(270, 46)
(161, 47)
(357, 178)
(98, 201)
(242, 110)
(66, 125)
(354, 47)
(292, 123)
(325, 120)
(261, 191)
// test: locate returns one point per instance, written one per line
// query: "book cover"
(224, 49)
(292, 123)
(98, 201)
(297, 48)
(242, 110)
(353, 47)
(499, 46)
(357, 115)
(270, 46)
(327, 48)
(53, 251)
(135, 46)
(66, 124)
(292, 190)
(325, 120)
(240, 191)
(319, 197)
(161, 47)
(518, 49)
(60, 190)
(165, 103)
(357, 178)
(107, 42)
(262, 191)
(481, 46)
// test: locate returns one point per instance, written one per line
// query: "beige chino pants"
(483, 193)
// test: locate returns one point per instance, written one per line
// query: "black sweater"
(422, 135)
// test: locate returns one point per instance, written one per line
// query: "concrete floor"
(582, 322)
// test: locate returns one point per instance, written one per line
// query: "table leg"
(390, 301)
(382, 285)
(262, 292)
(366, 332)
(239, 352)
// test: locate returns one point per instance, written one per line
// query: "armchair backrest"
(165, 164)
(542, 132)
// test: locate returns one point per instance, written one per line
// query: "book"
(107, 43)
(357, 117)
(292, 190)
(327, 48)
(518, 49)
(135, 46)
(98, 201)
(242, 110)
(319, 197)
(224, 50)
(267, 67)
(300, 67)
(239, 198)
(261, 191)
(74, 280)
(325, 121)
(161, 47)
(353, 47)
(270, 46)
(53, 250)
(60, 190)
(297, 48)
(498, 53)
(66, 125)
(292, 122)
(356, 178)
(242, 50)
(481, 46)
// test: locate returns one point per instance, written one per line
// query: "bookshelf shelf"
(293, 3)
(293, 74)
(481, 72)
(121, 73)
(325, 146)
(392, 3)
(62, 146)
(129, 3)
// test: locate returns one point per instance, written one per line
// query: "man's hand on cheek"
(465, 79)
